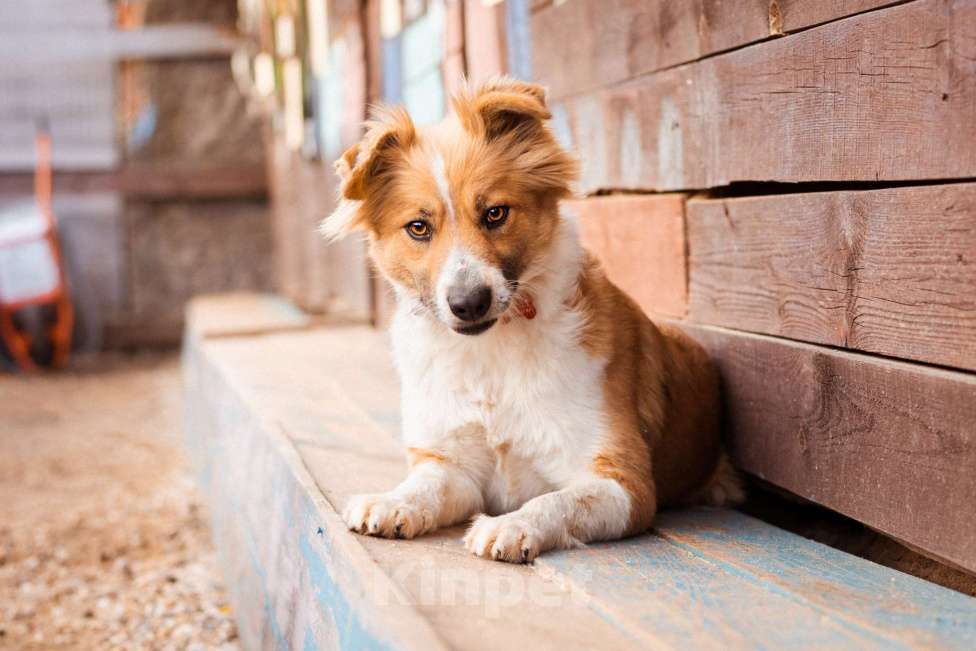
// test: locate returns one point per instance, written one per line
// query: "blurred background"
(158, 158)
(171, 126)
(152, 151)
(790, 181)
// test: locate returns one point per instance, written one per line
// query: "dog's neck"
(552, 281)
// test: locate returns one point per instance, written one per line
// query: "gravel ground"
(103, 539)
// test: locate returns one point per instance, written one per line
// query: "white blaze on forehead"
(439, 170)
(461, 268)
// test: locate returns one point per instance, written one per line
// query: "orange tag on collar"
(525, 307)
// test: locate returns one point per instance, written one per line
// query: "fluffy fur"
(558, 414)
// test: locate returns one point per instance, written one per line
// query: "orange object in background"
(32, 271)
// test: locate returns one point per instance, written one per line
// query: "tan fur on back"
(662, 395)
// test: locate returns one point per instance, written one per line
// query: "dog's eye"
(495, 216)
(418, 230)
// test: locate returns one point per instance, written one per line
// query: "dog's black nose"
(469, 305)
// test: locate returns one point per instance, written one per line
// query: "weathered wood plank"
(152, 42)
(160, 180)
(885, 95)
(586, 44)
(153, 181)
(887, 271)
(797, 14)
(670, 598)
(907, 608)
(640, 241)
(887, 443)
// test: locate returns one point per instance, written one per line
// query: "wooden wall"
(790, 181)
(318, 276)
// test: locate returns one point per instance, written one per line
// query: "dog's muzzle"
(470, 306)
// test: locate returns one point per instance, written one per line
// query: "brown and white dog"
(533, 389)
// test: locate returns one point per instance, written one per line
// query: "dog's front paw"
(387, 516)
(504, 538)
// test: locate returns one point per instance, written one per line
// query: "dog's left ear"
(502, 105)
(388, 135)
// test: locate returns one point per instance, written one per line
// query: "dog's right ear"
(501, 105)
(388, 135)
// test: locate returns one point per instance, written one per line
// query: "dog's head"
(458, 212)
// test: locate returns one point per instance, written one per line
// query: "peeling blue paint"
(352, 634)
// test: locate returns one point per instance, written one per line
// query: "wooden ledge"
(284, 426)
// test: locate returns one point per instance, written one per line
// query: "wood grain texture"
(640, 241)
(669, 598)
(906, 608)
(586, 44)
(887, 443)
(886, 95)
(887, 271)
(798, 14)
(717, 566)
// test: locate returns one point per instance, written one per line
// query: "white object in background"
(318, 35)
(391, 18)
(28, 268)
(264, 74)
(285, 36)
(294, 103)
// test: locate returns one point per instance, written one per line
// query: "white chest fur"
(537, 394)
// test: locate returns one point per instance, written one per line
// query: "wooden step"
(285, 424)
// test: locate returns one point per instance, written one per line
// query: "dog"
(536, 396)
